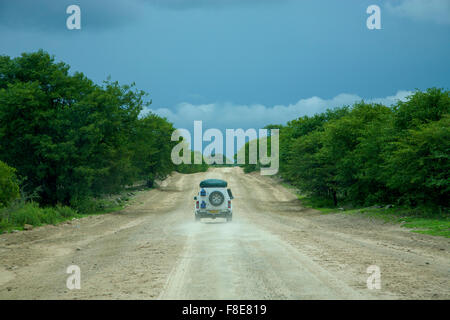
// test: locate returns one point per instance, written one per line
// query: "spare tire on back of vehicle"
(216, 198)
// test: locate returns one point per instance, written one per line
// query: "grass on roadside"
(420, 220)
(20, 213)
(319, 204)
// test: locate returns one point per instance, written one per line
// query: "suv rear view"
(213, 200)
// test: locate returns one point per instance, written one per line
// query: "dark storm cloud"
(50, 15)
(189, 4)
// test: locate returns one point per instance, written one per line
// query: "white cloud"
(401, 95)
(423, 10)
(228, 115)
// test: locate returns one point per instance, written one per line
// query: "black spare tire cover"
(216, 198)
(213, 183)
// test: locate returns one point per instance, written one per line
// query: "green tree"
(74, 139)
(9, 188)
(152, 148)
(421, 108)
(420, 164)
(341, 148)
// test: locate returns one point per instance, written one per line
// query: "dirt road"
(273, 249)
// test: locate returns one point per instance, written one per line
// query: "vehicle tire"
(216, 198)
(197, 218)
(229, 218)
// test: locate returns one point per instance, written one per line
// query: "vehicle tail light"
(197, 204)
(229, 204)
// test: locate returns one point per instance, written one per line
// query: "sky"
(242, 63)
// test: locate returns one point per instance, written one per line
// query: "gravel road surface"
(273, 249)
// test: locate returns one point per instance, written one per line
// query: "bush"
(84, 205)
(29, 213)
(16, 216)
(9, 188)
(92, 205)
(65, 212)
(50, 216)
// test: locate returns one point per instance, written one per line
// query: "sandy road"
(273, 249)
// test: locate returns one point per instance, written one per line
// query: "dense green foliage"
(30, 213)
(371, 154)
(73, 139)
(9, 188)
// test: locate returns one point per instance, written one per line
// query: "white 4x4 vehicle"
(213, 200)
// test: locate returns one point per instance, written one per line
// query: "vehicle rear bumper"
(208, 214)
